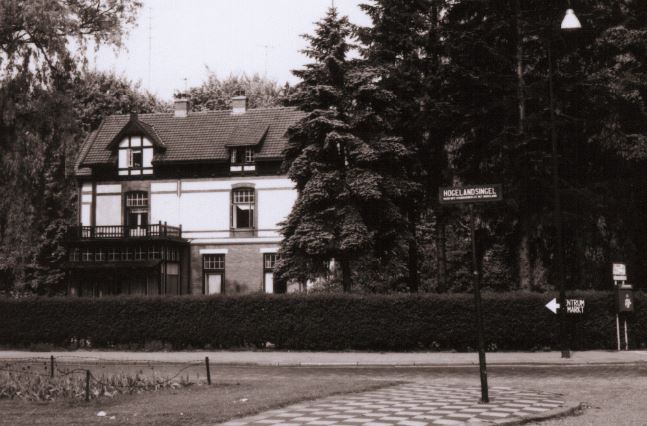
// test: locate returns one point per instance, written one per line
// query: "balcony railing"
(155, 230)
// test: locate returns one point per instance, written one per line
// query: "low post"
(618, 330)
(87, 385)
(206, 362)
(51, 366)
(626, 336)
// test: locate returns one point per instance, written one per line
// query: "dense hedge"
(513, 321)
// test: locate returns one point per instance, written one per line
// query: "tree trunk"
(526, 273)
(579, 280)
(414, 278)
(524, 262)
(346, 280)
(442, 256)
(521, 98)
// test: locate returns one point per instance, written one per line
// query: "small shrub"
(36, 387)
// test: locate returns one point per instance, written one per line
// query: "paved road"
(343, 358)
(414, 404)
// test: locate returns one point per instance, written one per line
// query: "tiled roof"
(248, 134)
(83, 151)
(201, 136)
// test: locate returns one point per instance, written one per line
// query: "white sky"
(228, 36)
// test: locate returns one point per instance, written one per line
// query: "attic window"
(135, 156)
(242, 155)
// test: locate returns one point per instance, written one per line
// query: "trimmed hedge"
(513, 321)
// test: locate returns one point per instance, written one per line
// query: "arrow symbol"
(553, 305)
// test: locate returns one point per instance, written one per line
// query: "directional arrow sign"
(553, 305)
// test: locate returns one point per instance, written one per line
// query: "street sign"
(470, 194)
(573, 306)
(619, 272)
(553, 306)
(625, 298)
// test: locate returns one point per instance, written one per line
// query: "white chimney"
(239, 104)
(181, 107)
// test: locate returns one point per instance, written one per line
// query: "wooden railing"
(155, 230)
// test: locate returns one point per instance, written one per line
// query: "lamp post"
(569, 23)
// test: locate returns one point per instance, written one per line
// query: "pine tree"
(346, 167)
(403, 45)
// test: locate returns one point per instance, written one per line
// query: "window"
(140, 254)
(213, 262)
(113, 254)
(269, 260)
(127, 254)
(242, 155)
(135, 156)
(172, 278)
(100, 255)
(213, 267)
(87, 255)
(154, 253)
(137, 199)
(75, 255)
(242, 206)
(137, 213)
(249, 155)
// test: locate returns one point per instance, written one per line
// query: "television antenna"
(150, 45)
(267, 47)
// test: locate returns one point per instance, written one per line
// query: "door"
(213, 283)
(269, 282)
(138, 223)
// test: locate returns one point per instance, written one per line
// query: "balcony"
(153, 231)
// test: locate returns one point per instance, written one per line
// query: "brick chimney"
(181, 106)
(239, 104)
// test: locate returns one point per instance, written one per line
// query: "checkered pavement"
(413, 404)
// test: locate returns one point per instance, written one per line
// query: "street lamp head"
(570, 21)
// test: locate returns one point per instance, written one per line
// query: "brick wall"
(243, 267)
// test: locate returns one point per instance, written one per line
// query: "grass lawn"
(612, 394)
(236, 391)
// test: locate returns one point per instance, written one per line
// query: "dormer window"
(135, 156)
(242, 155)
(249, 155)
(242, 159)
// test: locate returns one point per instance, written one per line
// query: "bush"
(513, 321)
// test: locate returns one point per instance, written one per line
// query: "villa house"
(181, 203)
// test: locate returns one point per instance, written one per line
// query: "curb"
(569, 409)
(337, 364)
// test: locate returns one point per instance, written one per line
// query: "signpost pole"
(626, 336)
(479, 313)
(615, 283)
(618, 330)
(469, 195)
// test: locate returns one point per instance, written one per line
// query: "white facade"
(201, 206)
